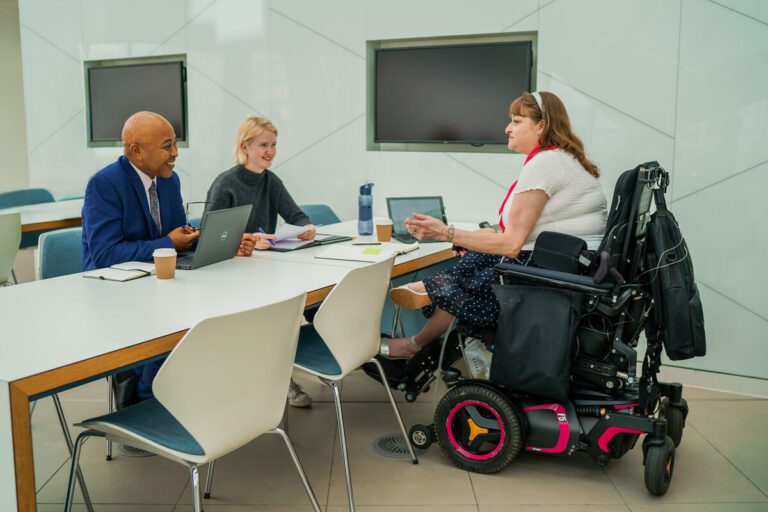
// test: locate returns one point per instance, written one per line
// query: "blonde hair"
(557, 126)
(249, 130)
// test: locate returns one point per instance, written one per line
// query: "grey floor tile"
(692, 393)
(49, 448)
(406, 508)
(533, 479)
(701, 507)
(262, 473)
(701, 475)
(150, 480)
(553, 508)
(736, 429)
(245, 508)
(98, 507)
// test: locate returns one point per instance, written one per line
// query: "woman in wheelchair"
(557, 190)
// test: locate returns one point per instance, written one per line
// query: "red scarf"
(533, 153)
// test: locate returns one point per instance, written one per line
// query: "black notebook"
(289, 244)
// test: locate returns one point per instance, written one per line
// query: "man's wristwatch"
(451, 229)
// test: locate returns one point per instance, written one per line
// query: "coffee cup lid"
(164, 253)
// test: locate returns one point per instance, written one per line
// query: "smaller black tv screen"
(449, 94)
(117, 92)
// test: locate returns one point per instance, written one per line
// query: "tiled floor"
(722, 465)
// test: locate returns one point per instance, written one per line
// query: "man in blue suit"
(133, 206)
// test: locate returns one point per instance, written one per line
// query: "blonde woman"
(251, 182)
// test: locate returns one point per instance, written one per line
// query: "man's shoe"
(131, 451)
(297, 397)
(407, 298)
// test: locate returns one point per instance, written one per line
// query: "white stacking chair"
(10, 237)
(247, 377)
(346, 334)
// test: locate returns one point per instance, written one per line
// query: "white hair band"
(539, 101)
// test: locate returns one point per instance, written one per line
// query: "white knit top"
(577, 204)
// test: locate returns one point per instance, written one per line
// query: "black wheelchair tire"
(504, 415)
(675, 420)
(421, 436)
(659, 467)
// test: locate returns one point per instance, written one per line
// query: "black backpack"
(677, 317)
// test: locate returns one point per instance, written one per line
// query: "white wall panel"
(622, 52)
(59, 22)
(53, 87)
(757, 9)
(722, 118)
(347, 31)
(398, 19)
(613, 140)
(724, 226)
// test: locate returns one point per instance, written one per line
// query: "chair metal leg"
(32, 408)
(197, 498)
(13, 275)
(68, 440)
(110, 409)
(209, 480)
(342, 441)
(439, 372)
(74, 470)
(299, 468)
(399, 418)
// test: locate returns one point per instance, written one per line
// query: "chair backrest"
(10, 236)
(24, 197)
(320, 214)
(59, 253)
(227, 379)
(629, 215)
(349, 319)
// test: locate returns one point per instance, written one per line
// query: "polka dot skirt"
(464, 290)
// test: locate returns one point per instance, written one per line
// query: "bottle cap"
(365, 190)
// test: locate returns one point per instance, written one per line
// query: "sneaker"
(297, 397)
(408, 299)
(132, 451)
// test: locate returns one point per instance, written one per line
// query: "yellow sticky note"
(372, 250)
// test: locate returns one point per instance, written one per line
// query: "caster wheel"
(659, 466)
(478, 428)
(675, 420)
(410, 397)
(421, 436)
(207, 495)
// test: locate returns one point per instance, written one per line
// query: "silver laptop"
(219, 240)
(400, 208)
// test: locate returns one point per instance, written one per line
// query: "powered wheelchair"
(563, 373)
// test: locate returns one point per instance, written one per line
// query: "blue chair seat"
(313, 354)
(150, 420)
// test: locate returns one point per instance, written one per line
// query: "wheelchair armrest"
(561, 252)
(554, 278)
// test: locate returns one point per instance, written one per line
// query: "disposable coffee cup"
(165, 263)
(384, 230)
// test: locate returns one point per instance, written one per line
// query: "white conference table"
(65, 331)
(55, 215)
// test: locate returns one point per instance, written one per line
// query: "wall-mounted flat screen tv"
(449, 94)
(117, 92)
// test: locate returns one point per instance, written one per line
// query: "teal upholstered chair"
(320, 214)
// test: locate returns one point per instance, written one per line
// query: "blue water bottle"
(365, 215)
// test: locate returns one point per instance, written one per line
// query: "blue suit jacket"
(117, 225)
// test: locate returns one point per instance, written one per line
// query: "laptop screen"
(402, 207)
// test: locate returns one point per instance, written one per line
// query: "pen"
(271, 242)
(366, 243)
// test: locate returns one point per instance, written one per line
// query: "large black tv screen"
(117, 92)
(449, 94)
